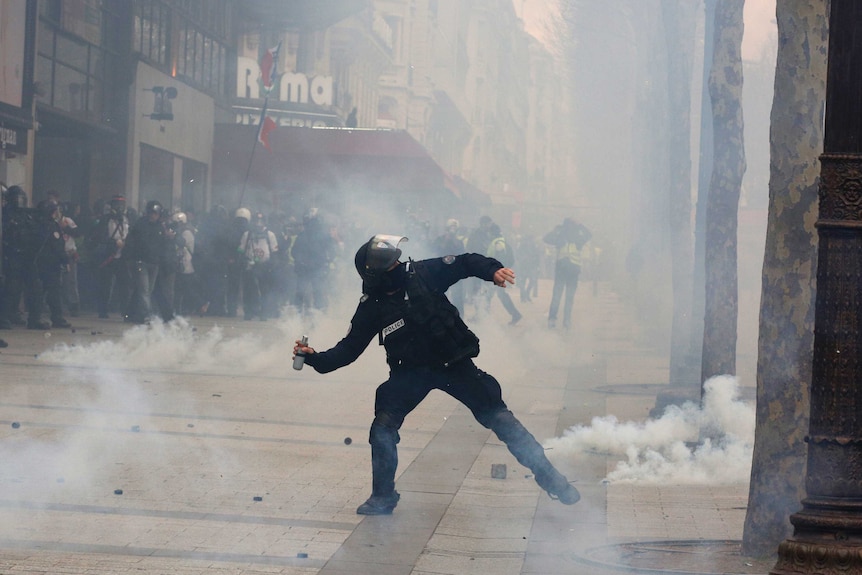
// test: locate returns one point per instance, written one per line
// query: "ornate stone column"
(827, 536)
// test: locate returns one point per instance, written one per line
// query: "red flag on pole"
(268, 67)
(266, 127)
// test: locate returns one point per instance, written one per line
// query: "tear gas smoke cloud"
(118, 382)
(658, 451)
(117, 417)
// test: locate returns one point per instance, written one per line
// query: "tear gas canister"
(299, 360)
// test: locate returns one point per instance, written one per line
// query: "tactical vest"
(424, 329)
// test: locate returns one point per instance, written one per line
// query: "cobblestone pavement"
(193, 448)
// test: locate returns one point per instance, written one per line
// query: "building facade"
(135, 97)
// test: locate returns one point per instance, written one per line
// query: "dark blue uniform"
(419, 364)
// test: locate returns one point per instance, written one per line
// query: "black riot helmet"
(154, 207)
(375, 257)
(118, 204)
(49, 209)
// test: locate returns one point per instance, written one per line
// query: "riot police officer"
(32, 256)
(18, 226)
(144, 251)
(49, 258)
(428, 347)
(107, 241)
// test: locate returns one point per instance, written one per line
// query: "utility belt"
(397, 364)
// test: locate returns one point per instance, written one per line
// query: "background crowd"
(63, 258)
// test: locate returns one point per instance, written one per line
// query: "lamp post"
(827, 537)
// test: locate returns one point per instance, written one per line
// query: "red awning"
(319, 166)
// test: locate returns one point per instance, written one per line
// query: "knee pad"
(383, 431)
(386, 419)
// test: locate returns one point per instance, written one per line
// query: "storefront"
(17, 24)
(170, 142)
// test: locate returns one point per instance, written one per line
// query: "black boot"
(379, 505)
(530, 453)
(384, 462)
(557, 486)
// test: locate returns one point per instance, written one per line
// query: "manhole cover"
(693, 557)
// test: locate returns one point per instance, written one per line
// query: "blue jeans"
(565, 279)
(144, 277)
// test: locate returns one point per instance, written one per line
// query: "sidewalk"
(205, 458)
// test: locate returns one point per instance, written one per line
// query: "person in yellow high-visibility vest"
(569, 238)
(499, 249)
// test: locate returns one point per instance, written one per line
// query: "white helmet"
(179, 218)
(244, 213)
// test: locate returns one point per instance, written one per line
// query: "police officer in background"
(49, 258)
(428, 346)
(18, 230)
(106, 241)
(144, 251)
(235, 264)
(258, 247)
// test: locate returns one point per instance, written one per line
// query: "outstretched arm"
(363, 328)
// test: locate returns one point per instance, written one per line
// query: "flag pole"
(253, 148)
(268, 68)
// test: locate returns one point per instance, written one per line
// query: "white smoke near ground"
(178, 345)
(125, 405)
(688, 444)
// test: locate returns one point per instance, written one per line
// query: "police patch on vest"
(395, 326)
(448, 259)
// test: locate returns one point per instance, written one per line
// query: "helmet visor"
(382, 253)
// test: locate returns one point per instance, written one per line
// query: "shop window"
(150, 31)
(185, 39)
(83, 18)
(70, 89)
(73, 56)
(71, 52)
(156, 181)
(50, 10)
(194, 186)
